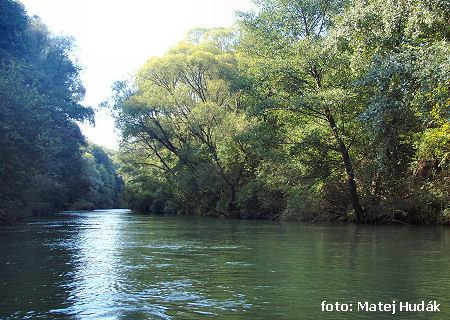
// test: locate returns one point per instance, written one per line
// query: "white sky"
(115, 37)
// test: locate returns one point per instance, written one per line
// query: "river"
(112, 264)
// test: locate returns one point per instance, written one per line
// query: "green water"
(114, 265)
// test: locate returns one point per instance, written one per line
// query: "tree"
(40, 98)
(101, 185)
(310, 108)
(300, 70)
(181, 118)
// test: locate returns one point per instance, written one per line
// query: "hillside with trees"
(45, 162)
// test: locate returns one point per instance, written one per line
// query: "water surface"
(112, 264)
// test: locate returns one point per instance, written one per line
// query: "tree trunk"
(232, 208)
(354, 198)
(353, 192)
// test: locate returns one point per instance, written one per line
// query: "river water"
(112, 264)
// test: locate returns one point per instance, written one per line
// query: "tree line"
(311, 110)
(45, 163)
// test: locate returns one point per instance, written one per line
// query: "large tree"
(299, 69)
(182, 114)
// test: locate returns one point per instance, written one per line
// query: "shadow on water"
(115, 265)
(34, 269)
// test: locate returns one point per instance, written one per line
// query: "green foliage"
(182, 123)
(400, 52)
(40, 100)
(101, 184)
(312, 110)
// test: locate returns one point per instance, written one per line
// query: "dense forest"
(313, 110)
(45, 163)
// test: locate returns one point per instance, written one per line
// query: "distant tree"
(102, 186)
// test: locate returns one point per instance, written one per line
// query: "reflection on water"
(111, 264)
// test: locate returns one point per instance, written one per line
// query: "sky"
(115, 37)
